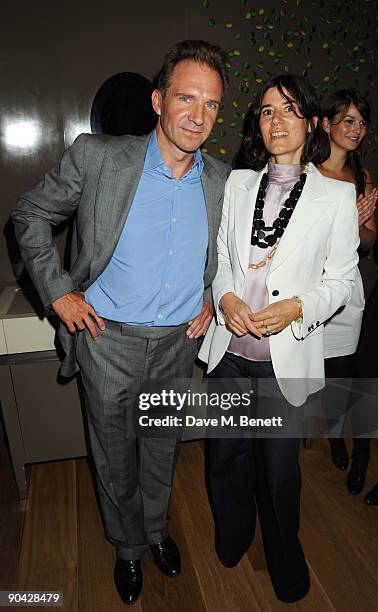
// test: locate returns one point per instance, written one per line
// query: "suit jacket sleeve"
(53, 200)
(208, 292)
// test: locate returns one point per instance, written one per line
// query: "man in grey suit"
(137, 295)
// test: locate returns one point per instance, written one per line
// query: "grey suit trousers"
(134, 475)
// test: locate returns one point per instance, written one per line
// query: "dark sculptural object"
(122, 105)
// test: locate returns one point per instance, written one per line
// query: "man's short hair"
(199, 51)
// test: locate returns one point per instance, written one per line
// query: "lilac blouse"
(282, 178)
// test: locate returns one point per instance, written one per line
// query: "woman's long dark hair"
(253, 154)
(339, 102)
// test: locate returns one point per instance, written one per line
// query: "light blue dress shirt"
(155, 276)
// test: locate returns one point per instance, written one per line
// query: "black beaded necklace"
(266, 236)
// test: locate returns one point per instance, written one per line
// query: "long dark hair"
(253, 153)
(339, 102)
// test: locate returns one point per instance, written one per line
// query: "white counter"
(21, 329)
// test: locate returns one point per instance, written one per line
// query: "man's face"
(189, 108)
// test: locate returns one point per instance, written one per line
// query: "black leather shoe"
(372, 497)
(357, 473)
(339, 453)
(128, 580)
(167, 557)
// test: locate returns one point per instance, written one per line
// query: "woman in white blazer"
(287, 256)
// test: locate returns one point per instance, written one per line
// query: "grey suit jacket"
(96, 181)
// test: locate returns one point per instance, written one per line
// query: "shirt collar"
(198, 162)
(154, 159)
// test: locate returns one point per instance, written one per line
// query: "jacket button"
(275, 292)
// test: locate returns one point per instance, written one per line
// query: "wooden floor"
(54, 541)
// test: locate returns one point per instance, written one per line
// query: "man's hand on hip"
(77, 314)
(198, 327)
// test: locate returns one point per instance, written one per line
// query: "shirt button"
(170, 252)
(176, 187)
(160, 316)
(173, 219)
(167, 285)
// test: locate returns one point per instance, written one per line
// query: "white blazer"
(315, 260)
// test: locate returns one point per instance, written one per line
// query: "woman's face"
(347, 129)
(282, 127)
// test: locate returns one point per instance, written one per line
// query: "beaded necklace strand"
(266, 236)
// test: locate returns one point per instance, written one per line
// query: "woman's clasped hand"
(270, 320)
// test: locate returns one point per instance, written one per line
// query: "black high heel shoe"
(339, 453)
(357, 473)
(372, 497)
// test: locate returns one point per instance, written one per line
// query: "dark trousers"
(134, 475)
(246, 477)
(345, 366)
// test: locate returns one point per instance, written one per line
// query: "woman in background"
(346, 114)
(287, 255)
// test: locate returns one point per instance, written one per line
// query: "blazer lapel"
(120, 176)
(312, 204)
(245, 200)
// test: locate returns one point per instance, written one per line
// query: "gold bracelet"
(300, 304)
